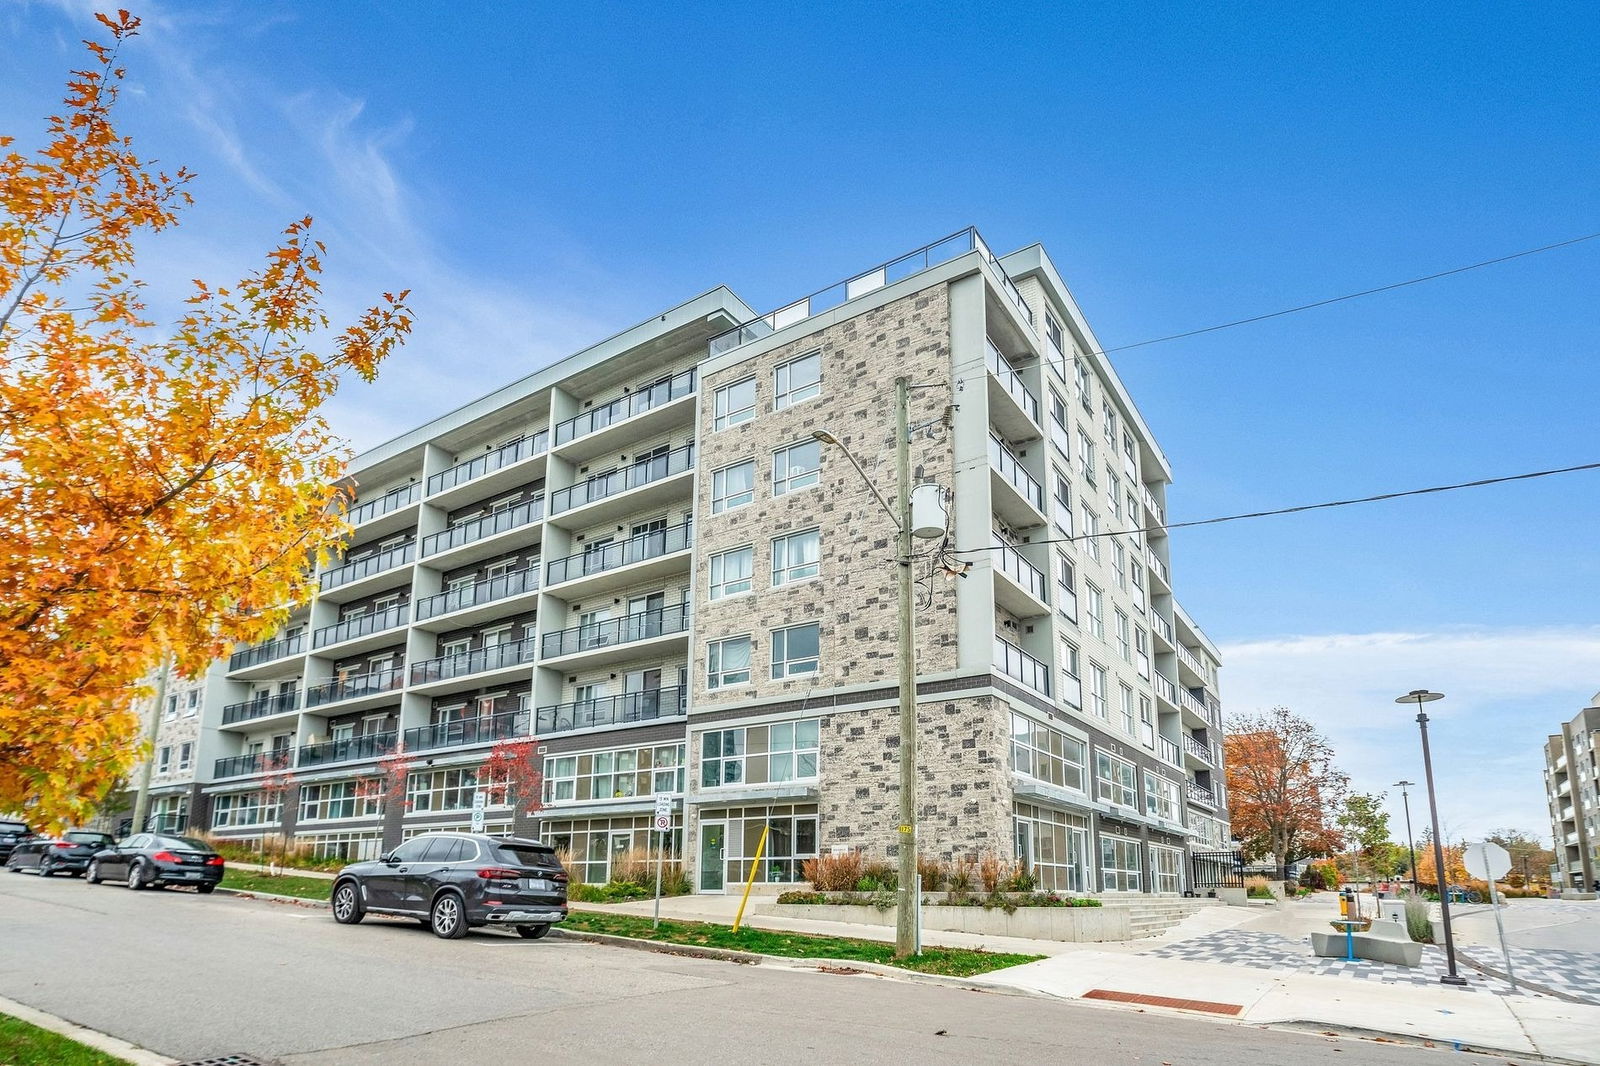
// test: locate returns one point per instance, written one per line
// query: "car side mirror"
(387, 858)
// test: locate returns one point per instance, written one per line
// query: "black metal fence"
(1215, 869)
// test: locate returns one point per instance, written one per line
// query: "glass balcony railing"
(257, 654)
(1010, 468)
(392, 500)
(468, 731)
(348, 749)
(254, 763)
(1012, 563)
(613, 710)
(372, 564)
(1011, 381)
(636, 403)
(467, 663)
(513, 452)
(361, 626)
(661, 622)
(280, 703)
(356, 686)
(632, 476)
(497, 522)
(486, 590)
(1018, 664)
(598, 558)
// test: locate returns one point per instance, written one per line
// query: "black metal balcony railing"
(1011, 468)
(1012, 563)
(633, 476)
(464, 664)
(485, 591)
(1016, 663)
(648, 398)
(372, 564)
(392, 500)
(257, 654)
(661, 622)
(505, 455)
(349, 688)
(360, 626)
(635, 549)
(258, 762)
(260, 708)
(468, 731)
(1197, 748)
(1202, 794)
(489, 525)
(613, 710)
(371, 746)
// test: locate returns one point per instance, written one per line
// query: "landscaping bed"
(278, 885)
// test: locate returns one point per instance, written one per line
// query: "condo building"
(1572, 783)
(643, 557)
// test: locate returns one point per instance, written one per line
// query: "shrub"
(934, 873)
(869, 884)
(833, 873)
(881, 872)
(962, 879)
(1417, 923)
(1021, 881)
(1258, 888)
(993, 872)
(803, 897)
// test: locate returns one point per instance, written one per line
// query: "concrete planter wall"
(1079, 925)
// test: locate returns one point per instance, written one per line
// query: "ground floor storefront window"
(350, 846)
(169, 814)
(1053, 846)
(1120, 868)
(246, 808)
(590, 847)
(729, 839)
(1166, 869)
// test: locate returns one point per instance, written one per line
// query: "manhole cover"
(228, 1060)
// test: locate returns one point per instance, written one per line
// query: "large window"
(1160, 797)
(796, 650)
(1085, 383)
(731, 572)
(246, 808)
(1046, 754)
(759, 754)
(733, 486)
(796, 556)
(339, 799)
(728, 662)
(735, 403)
(595, 844)
(447, 790)
(1166, 869)
(1141, 651)
(798, 466)
(1119, 864)
(791, 840)
(798, 379)
(1114, 781)
(603, 775)
(1053, 846)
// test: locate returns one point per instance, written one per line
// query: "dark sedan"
(450, 881)
(150, 860)
(68, 854)
(12, 833)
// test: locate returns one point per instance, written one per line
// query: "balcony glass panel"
(1010, 467)
(636, 403)
(257, 654)
(392, 500)
(356, 686)
(657, 623)
(360, 626)
(468, 731)
(632, 476)
(1020, 570)
(464, 664)
(372, 564)
(525, 513)
(371, 746)
(260, 708)
(505, 455)
(1011, 381)
(613, 710)
(635, 549)
(1016, 663)
(485, 591)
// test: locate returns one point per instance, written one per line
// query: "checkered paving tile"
(1572, 973)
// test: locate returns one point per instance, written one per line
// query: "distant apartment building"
(1572, 783)
(642, 557)
(175, 753)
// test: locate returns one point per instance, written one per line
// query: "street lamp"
(1419, 696)
(1411, 844)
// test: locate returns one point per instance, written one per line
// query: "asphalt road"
(1565, 925)
(195, 976)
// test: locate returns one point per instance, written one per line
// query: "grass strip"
(22, 1044)
(952, 962)
(279, 885)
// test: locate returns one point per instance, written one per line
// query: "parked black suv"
(70, 854)
(450, 881)
(12, 833)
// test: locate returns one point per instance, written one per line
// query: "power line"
(1295, 510)
(1348, 296)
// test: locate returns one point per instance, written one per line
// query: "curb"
(1379, 1036)
(93, 1038)
(271, 897)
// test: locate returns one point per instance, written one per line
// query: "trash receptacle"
(1344, 903)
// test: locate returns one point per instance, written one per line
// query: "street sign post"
(479, 801)
(663, 823)
(1490, 861)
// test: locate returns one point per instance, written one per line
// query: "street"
(192, 976)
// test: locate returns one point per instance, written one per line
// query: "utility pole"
(141, 802)
(905, 940)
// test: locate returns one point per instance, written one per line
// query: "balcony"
(479, 530)
(632, 409)
(349, 749)
(1023, 590)
(388, 503)
(500, 458)
(1020, 666)
(1163, 629)
(478, 594)
(1202, 795)
(466, 731)
(1199, 749)
(1190, 702)
(613, 710)
(256, 763)
(250, 710)
(1168, 751)
(924, 258)
(616, 564)
(261, 654)
(615, 634)
(1192, 661)
(1154, 564)
(1166, 689)
(371, 566)
(1153, 509)
(365, 625)
(469, 664)
(358, 686)
(1012, 407)
(622, 487)
(1021, 499)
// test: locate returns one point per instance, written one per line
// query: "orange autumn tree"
(1284, 794)
(161, 491)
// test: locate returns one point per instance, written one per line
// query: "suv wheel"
(46, 868)
(92, 874)
(136, 879)
(347, 908)
(448, 917)
(532, 932)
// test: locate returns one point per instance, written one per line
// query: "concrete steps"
(1152, 916)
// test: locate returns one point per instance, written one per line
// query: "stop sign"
(1487, 860)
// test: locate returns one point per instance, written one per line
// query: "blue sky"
(544, 175)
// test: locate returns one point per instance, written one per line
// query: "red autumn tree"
(1284, 793)
(514, 774)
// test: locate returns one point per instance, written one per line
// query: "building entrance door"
(713, 850)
